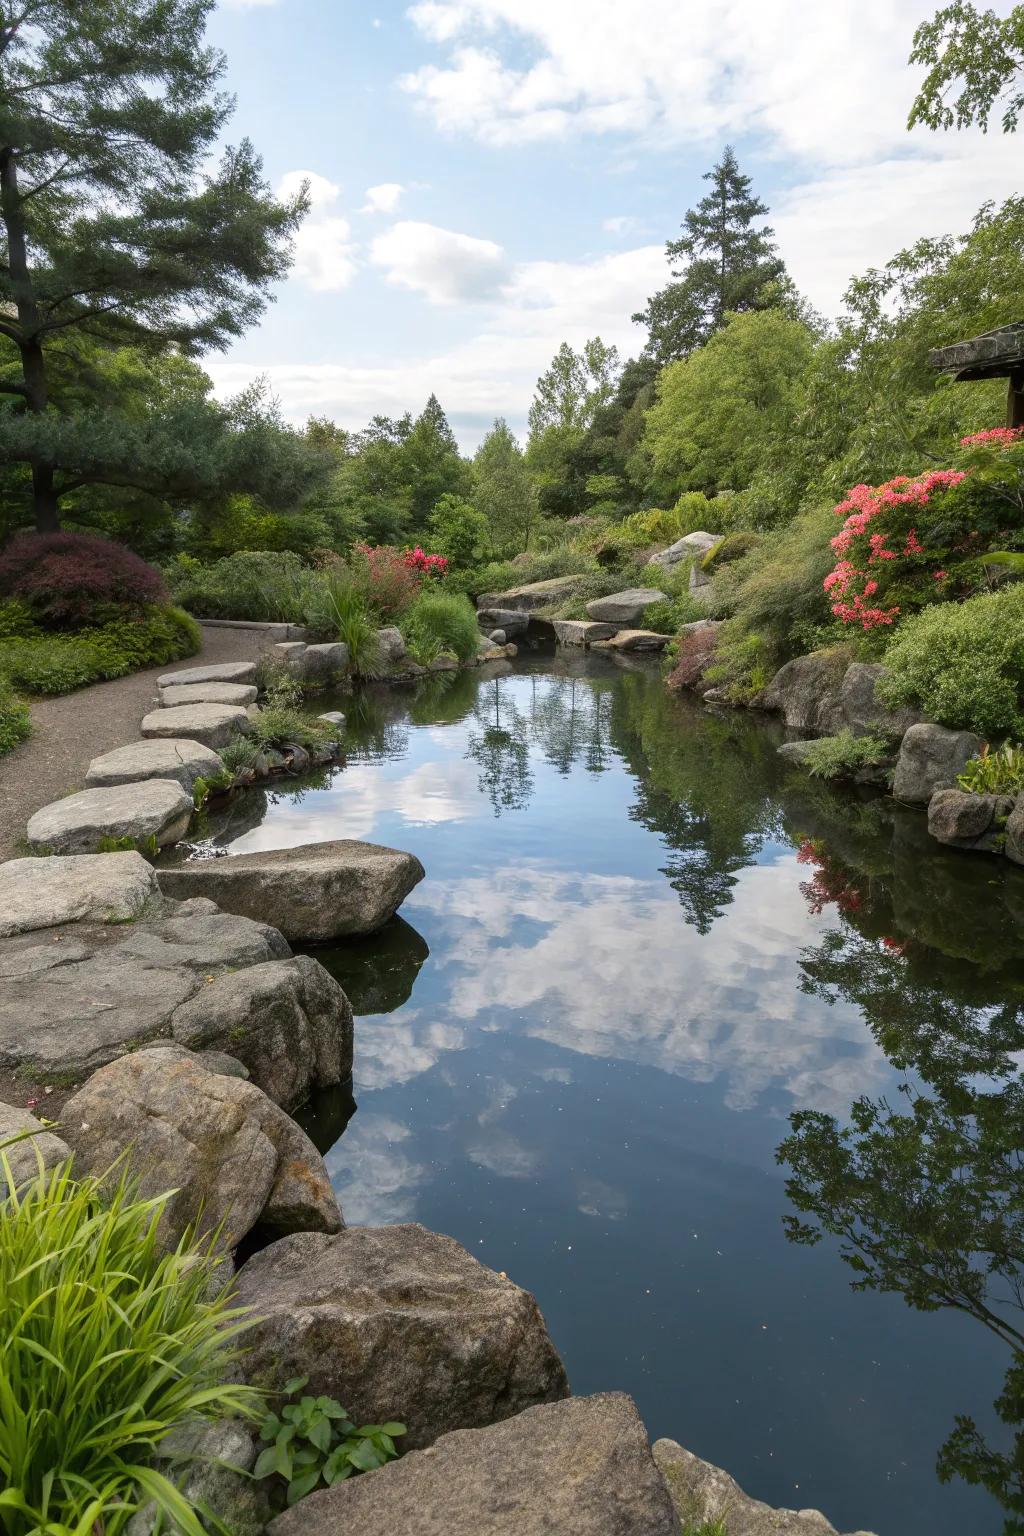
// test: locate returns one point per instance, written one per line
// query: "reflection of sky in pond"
(587, 1077)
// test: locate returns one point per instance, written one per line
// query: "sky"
(493, 177)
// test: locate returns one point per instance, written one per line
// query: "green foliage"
(503, 490)
(999, 772)
(963, 663)
(250, 584)
(15, 721)
(61, 663)
(242, 523)
(147, 846)
(16, 619)
(280, 721)
(732, 547)
(458, 531)
(978, 51)
(239, 754)
(440, 621)
(501, 575)
(336, 606)
(843, 756)
(107, 1343)
(669, 617)
(312, 1442)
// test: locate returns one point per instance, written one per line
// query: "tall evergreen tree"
(569, 395)
(721, 263)
(435, 467)
(503, 491)
(113, 228)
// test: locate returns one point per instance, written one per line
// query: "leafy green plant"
(239, 754)
(250, 584)
(15, 721)
(280, 721)
(337, 607)
(148, 846)
(60, 663)
(842, 756)
(995, 773)
(440, 621)
(107, 1343)
(312, 1441)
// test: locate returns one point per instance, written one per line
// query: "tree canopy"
(974, 61)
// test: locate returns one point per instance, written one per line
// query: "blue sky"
(491, 177)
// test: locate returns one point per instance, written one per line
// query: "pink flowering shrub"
(999, 437)
(428, 565)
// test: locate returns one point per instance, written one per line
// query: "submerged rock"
(962, 820)
(578, 1468)
(152, 808)
(212, 724)
(930, 758)
(314, 892)
(172, 757)
(95, 888)
(397, 1323)
(625, 609)
(633, 640)
(233, 1158)
(703, 1495)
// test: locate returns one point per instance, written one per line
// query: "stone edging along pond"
(163, 1018)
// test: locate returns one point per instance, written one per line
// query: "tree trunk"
(33, 362)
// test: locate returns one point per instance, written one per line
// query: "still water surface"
(641, 943)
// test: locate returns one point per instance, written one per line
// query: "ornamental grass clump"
(440, 622)
(107, 1343)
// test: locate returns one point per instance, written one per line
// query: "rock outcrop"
(930, 758)
(962, 820)
(158, 809)
(532, 597)
(578, 1468)
(312, 893)
(397, 1323)
(703, 1495)
(95, 888)
(625, 609)
(510, 621)
(692, 546)
(581, 631)
(633, 640)
(807, 692)
(234, 1160)
(168, 758)
(214, 725)
(863, 713)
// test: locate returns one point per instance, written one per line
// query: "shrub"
(668, 618)
(963, 663)
(695, 653)
(543, 565)
(441, 621)
(16, 619)
(251, 584)
(66, 579)
(842, 756)
(313, 1441)
(107, 1343)
(280, 721)
(15, 722)
(54, 664)
(337, 607)
(733, 546)
(458, 530)
(995, 773)
(385, 579)
(243, 523)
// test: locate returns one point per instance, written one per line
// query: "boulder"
(930, 758)
(36, 1145)
(152, 808)
(321, 664)
(625, 609)
(214, 725)
(217, 1458)
(633, 640)
(443, 664)
(288, 1022)
(220, 672)
(233, 1159)
(333, 717)
(962, 820)
(314, 892)
(582, 631)
(806, 691)
(95, 888)
(865, 715)
(209, 693)
(533, 596)
(705, 1496)
(1014, 846)
(397, 1323)
(512, 620)
(496, 637)
(577, 1468)
(795, 751)
(392, 645)
(73, 998)
(168, 758)
(692, 546)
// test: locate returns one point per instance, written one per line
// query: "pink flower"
(939, 575)
(1002, 436)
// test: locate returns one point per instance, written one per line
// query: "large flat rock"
(533, 596)
(633, 640)
(208, 693)
(94, 888)
(153, 808)
(581, 631)
(220, 672)
(704, 1495)
(312, 893)
(171, 757)
(578, 1468)
(233, 1158)
(625, 609)
(214, 725)
(397, 1323)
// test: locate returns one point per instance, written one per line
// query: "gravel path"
(68, 732)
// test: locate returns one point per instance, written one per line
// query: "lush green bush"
(668, 618)
(107, 1343)
(995, 773)
(337, 608)
(15, 723)
(842, 756)
(243, 523)
(251, 584)
(440, 621)
(963, 663)
(61, 663)
(458, 531)
(500, 575)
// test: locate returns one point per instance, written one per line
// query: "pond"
(643, 941)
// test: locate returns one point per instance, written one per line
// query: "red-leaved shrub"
(68, 579)
(385, 579)
(695, 654)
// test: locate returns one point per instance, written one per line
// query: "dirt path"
(69, 731)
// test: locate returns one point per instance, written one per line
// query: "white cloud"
(383, 198)
(619, 224)
(324, 256)
(322, 191)
(448, 267)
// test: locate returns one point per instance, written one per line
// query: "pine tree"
(503, 491)
(434, 465)
(113, 228)
(721, 263)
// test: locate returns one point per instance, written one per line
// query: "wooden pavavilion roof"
(997, 354)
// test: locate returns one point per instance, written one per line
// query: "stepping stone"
(157, 808)
(94, 888)
(214, 725)
(625, 609)
(220, 672)
(208, 693)
(171, 758)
